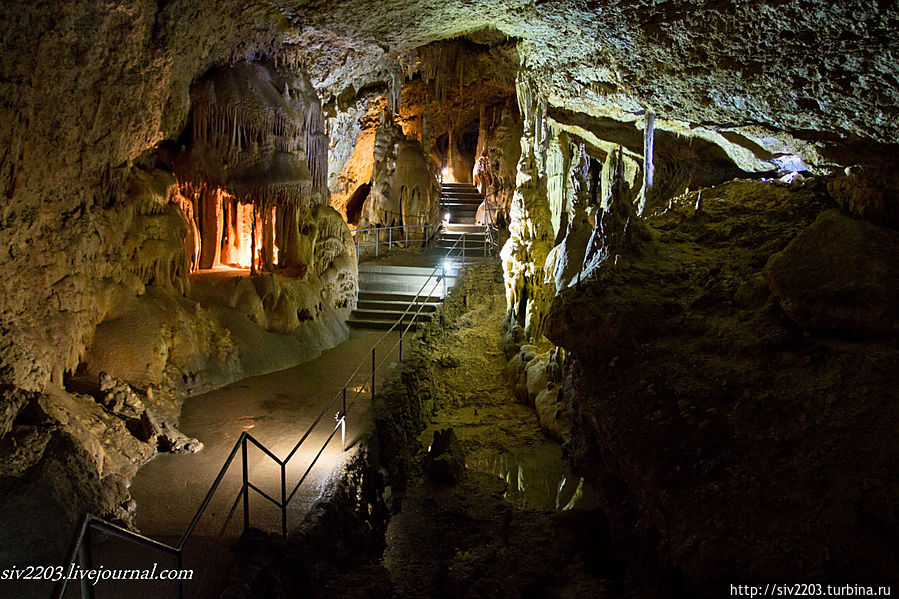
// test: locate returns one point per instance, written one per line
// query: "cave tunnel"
(406, 299)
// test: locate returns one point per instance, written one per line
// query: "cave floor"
(516, 523)
(276, 409)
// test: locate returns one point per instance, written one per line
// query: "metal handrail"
(377, 243)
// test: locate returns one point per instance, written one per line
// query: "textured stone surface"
(95, 96)
(806, 68)
(840, 274)
(729, 443)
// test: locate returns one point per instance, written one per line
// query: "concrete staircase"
(461, 201)
(385, 292)
(460, 236)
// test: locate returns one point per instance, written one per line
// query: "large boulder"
(840, 274)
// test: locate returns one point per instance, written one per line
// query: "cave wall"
(98, 87)
(725, 394)
(95, 92)
(98, 244)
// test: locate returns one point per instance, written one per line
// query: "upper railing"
(388, 236)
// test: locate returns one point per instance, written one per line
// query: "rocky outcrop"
(801, 73)
(99, 246)
(871, 193)
(68, 453)
(730, 444)
(840, 274)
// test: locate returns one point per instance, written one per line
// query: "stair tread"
(425, 308)
(379, 325)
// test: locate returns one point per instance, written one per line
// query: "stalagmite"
(530, 241)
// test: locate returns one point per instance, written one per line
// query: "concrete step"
(377, 325)
(385, 269)
(382, 296)
(402, 279)
(460, 193)
(461, 201)
(472, 249)
(399, 307)
(473, 234)
(457, 228)
(389, 316)
(468, 219)
(456, 201)
(466, 241)
(459, 207)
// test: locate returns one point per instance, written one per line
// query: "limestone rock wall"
(724, 370)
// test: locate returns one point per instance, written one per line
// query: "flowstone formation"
(403, 186)
(495, 170)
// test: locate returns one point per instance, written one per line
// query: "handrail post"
(377, 240)
(179, 585)
(401, 343)
(284, 500)
(427, 234)
(246, 488)
(373, 373)
(405, 237)
(389, 238)
(86, 559)
(343, 420)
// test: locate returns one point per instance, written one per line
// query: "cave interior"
(693, 288)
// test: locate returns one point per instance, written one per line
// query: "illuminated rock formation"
(530, 230)
(403, 189)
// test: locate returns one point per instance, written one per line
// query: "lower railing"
(375, 237)
(83, 543)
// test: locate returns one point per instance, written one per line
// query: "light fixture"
(447, 265)
(446, 217)
(445, 171)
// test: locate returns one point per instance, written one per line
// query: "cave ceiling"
(812, 71)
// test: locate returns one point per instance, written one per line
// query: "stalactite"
(648, 171)
(618, 227)
(426, 129)
(253, 243)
